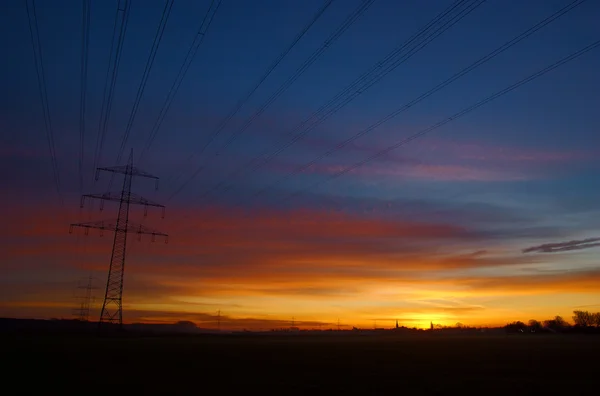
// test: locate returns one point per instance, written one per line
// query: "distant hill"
(77, 326)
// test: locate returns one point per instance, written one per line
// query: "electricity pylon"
(83, 310)
(112, 308)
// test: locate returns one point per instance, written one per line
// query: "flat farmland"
(303, 364)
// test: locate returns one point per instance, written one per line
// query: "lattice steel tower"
(83, 310)
(112, 308)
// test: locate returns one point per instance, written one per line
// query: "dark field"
(419, 364)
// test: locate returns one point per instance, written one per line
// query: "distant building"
(431, 325)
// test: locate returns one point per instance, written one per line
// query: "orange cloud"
(579, 281)
(319, 265)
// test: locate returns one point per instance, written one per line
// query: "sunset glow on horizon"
(263, 268)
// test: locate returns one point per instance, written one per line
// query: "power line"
(450, 119)
(269, 70)
(349, 21)
(445, 19)
(149, 63)
(425, 95)
(232, 138)
(390, 62)
(39, 68)
(447, 25)
(442, 122)
(85, 40)
(119, 30)
(198, 38)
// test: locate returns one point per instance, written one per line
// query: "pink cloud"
(436, 172)
(431, 172)
(486, 152)
(473, 150)
(444, 160)
(446, 173)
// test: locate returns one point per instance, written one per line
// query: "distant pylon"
(112, 307)
(83, 310)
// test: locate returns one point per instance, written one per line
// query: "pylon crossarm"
(143, 230)
(101, 225)
(128, 170)
(111, 225)
(113, 196)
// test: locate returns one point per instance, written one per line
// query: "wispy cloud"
(305, 242)
(564, 246)
(423, 171)
(467, 150)
(442, 160)
(480, 151)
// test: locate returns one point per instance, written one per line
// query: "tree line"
(582, 321)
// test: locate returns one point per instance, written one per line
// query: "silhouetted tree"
(556, 324)
(516, 327)
(596, 319)
(583, 318)
(186, 323)
(534, 325)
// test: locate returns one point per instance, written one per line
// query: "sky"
(483, 218)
